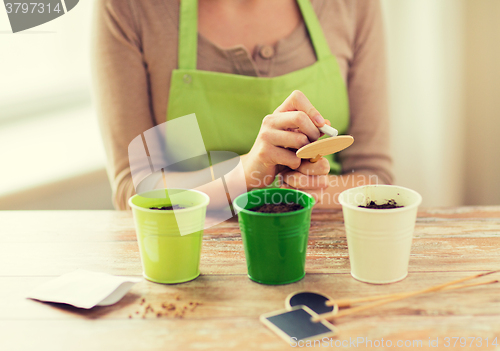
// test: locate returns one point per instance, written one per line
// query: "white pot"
(379, 240)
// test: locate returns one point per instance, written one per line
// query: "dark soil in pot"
(277, 208)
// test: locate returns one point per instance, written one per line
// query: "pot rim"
(385, 210)
(283, 214)
(187, 209)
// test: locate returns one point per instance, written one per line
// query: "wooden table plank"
(227, 257)
(66, 226)
(238, 296)
(232, 334)
(92, 226)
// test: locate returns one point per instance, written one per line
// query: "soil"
(281, 207)
(389, 204)
(167, 208)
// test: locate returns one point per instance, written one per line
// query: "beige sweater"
(135, 51)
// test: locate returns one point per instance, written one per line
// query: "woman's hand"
(308, 176)
(292, 125)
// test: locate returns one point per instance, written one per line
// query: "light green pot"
(170, 241)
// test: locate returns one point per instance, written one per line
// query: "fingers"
(308, 176)
(293, 125)
(285, 139)
(313, 192)
(280, 156)
(322, 167)
(297, 101)
(301, 181)
(293, 120)
(310, 192)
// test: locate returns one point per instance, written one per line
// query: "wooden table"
(36, 246)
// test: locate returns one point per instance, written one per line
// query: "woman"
(267, 73)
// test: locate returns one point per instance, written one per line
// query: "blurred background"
(444, 75)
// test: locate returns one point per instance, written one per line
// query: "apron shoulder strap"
(188, 32)
(314, 28)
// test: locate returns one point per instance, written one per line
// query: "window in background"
(48, 129)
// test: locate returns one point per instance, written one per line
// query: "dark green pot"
(275, 243)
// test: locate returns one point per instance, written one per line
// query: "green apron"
(229, 108)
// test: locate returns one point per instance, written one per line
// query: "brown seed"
(158, 314)
(143, 300)
(163, 305)
(177, 297)
(191, 303)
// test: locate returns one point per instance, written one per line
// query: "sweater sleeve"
(366, 84)
(121, 90)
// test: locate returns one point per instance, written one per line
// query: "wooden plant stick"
(471, 284)
(350, 302)
(397, 297)
(315, 159)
